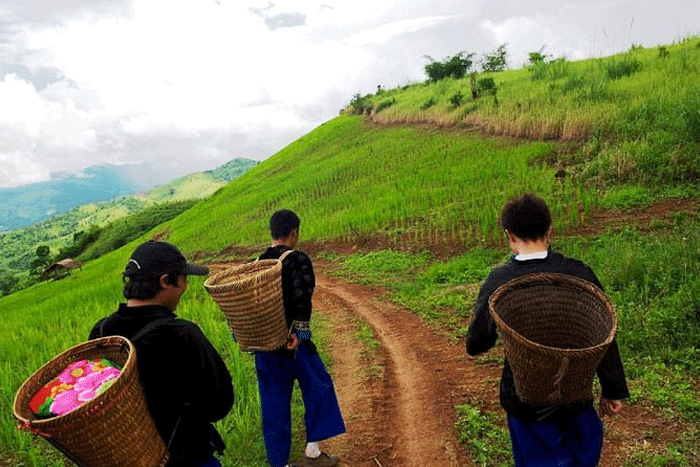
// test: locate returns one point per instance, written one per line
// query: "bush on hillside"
(385, 104)
(496, 61)
(360, 104)
(456, 99)
(81, 241)
(456, 67)
(626, 66)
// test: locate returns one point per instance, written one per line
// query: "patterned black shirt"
(298, 283)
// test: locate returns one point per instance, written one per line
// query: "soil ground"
(399, 400)
(406, 415)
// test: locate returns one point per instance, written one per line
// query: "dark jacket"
(298, 283)
(482, 336)
(185, 381)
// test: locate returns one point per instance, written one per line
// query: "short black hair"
(282, 223)
(527, 217)
(147, 287)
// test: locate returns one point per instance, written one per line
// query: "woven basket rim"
(213, 284)
(49, 372)
(554, 278)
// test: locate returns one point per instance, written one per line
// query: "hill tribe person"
(299, 360)
(566, 434)
(185, 381)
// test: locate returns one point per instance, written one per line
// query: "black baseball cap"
(154, 258)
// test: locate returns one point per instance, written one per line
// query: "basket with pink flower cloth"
(88, 403)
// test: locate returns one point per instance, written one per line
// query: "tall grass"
(349, 178)
(651, 278)
(42, 321)
(641, 104)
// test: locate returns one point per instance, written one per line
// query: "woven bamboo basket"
(555, 329)
(114, 429)
(250, 297)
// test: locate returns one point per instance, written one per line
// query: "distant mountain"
(18, 245)
(29, 204)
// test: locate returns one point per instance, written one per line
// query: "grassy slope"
(18, 247)
(350, 177)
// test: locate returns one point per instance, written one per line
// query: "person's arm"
(610, 371)
(298, 298)
(613, 383)
(210, 385)
(482, 333)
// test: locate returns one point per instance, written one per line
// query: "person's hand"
(609, 407)
(293, 342)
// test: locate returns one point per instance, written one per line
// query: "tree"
(8, 284)
(456, 66)
(538, 57)
(42, 259)
(497, 61)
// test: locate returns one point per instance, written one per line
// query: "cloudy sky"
(191, 84)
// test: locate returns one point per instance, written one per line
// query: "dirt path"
(404, 413)
(412, 416)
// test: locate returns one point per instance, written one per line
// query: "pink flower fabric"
(80, 382)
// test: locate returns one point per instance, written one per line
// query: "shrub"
(457, 99)
(385, 104)
(486, 85)
(455, 67)
(496, 61)
(359, 104)
(627, 66)
(428, 104)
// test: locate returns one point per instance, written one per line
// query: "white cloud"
(196, 82)
(387, 32)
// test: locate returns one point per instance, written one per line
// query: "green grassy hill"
(413, 177)
(18, 247)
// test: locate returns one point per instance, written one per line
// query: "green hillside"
(18, 247)
(413, 179)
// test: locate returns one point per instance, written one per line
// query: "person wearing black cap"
(185, 381)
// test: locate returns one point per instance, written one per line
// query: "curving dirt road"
(399, 399)
(403, 412)
(406, 416)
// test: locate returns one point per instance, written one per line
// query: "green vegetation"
(412, 185)
(485, 436)
(650, 277)
(123, 231)
(623, 130)
(634, 114)
(71, 233)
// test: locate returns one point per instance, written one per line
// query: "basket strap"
(284, 255)
(149, 327)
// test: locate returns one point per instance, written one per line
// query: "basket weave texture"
(555, 329)
(250, 297)
(114, 429)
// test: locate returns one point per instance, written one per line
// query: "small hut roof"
(67, 263)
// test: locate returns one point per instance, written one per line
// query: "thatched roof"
(59, 268)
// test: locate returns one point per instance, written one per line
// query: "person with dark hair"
(298, 360)
(186, 383)
(568, 434)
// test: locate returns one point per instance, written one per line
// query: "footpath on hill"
(399, 404)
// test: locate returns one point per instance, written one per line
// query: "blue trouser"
(571, 442)
(211, 462)
(276, 374)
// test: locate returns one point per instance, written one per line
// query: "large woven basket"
(114, 429)
(555, 329)
(250, 297)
